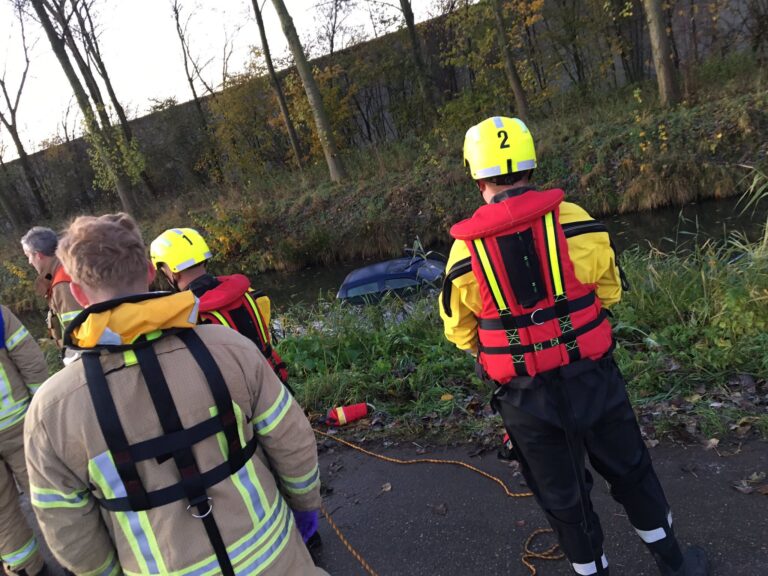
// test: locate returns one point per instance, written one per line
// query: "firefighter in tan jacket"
(166, 448)
(52, 282)
(22, 371)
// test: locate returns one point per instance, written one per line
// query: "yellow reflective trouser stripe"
(245, 479)
(493, 283)
(341, 416)
(221, 319)
(267, 421)
(109, 568)
(18, 557)
(16, 338)
(48, 498)
(257, 313)
(554, 262)
(135, 525)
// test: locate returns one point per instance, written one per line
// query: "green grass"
(691, 321)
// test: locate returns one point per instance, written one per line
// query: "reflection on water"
(671, 227)
(663, 229)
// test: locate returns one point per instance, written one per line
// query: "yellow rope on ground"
(346, 543)
(550, 553)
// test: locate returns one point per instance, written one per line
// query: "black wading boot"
(695, 563)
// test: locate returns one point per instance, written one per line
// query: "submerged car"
(400, 276)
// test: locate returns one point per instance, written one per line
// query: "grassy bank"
(612, 152)
(691, 340)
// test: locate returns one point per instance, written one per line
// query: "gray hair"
(40, 239)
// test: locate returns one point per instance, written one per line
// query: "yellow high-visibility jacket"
(594, 262)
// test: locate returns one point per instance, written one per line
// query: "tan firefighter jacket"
(22, 370)
(62, 306)
(71, 468)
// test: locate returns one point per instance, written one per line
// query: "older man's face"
(32, 257)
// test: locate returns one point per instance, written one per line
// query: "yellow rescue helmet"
(179, 249)
(498, 145)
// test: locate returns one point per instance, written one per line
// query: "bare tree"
(276, 87)
(101, 133)
(324, 132)
(8, 119)
(86, 30)
(193, 72)
(669, 93)
(509, 66)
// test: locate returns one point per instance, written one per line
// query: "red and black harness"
(536, 315)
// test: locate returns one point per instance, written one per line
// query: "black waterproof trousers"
(555, 420)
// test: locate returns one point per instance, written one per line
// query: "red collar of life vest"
(228, 294)
(492, 219)
(59, 275)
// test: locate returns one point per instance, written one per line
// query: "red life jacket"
(59, 276)
(232, 303)
(536, 315)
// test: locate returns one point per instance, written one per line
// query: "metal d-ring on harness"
(176, 441)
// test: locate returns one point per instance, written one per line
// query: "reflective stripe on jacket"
(72, 469)
(22, 369)
(535, 314)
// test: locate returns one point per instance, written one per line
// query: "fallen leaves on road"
(754, 483)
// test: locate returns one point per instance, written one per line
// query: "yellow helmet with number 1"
(179, 249)
(497, 146)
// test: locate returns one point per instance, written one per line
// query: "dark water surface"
(663, 229)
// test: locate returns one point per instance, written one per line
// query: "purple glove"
(306, 522)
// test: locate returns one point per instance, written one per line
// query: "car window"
(363, 289)
(399, 283)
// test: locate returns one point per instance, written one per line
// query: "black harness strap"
(536, 347)
(114, 434)
(191, 479)
(538, 316)
(221, 396)
(461, 267)
(175, 492)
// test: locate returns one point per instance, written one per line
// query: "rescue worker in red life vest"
(22, 371)
(180, 254)
(166, 447)
(527, 281)
(52, 283)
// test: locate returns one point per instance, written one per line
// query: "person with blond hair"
(22, 371)
(167, 447)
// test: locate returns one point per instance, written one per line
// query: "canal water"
(665, 229)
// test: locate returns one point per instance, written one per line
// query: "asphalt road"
(440, 520)
(444, 520)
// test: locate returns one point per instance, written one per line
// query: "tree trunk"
(513, 77)
(15, 210)
(669, 94)
(126, 195)
(425, 85)
(292, 136)
(324, 132)
(90, 40)
(29, 174)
